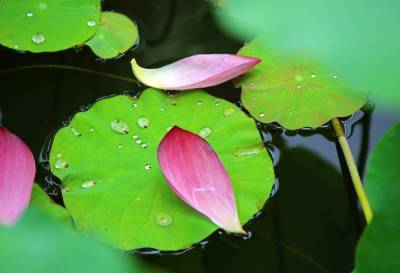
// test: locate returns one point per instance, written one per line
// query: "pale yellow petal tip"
(236, 230)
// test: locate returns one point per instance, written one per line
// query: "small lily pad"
(116, 34)
(129, 203)
(294, 91)
(47, 25)
(378, 249)
(41, 200)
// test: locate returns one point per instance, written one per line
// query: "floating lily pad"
(47, 25)
(378, 249)
(114, 189)
(41, 200)
(116, 34)
(294, 91)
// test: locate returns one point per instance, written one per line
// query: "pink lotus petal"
(194, 171)
(17, 172)
(197, 71)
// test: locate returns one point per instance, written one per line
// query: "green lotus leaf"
(294, 91)
(116, 34)
(357, 40)
(113, 187)
(39, 244)
(379, 247)
(47, 25)
(42, 201)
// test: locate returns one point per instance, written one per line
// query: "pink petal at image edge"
(17, 173)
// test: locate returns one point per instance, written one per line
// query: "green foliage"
(378, 248)
(293, 91)
(358, 40)
(47, 25)
(41, 200)
(116, 34)
(114, 189)
(38, 244)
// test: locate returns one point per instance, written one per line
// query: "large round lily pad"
(294, 91)
(116, 34)
(47, 25)
(113, 187)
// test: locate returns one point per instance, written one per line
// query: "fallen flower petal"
(17, 172)
(197, 71)
(195, 173)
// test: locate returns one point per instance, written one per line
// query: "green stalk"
(351, 165)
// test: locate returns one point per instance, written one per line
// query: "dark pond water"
(312, 223)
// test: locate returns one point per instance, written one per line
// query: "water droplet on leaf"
(135, 105)
(74, 131)
(120, 127)
(61, 164)
(143, 122)
(228, 112)
(29, 14)
(313, 76)
(163, 219)
(91, 23)
(138, 141)
(120, 146)
(88, 184)
(261, 115)
(148, 167)
(38, 38)
(199, 103)
(144, 145)
(205, 132)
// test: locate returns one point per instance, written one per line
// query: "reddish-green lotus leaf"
(293, 90)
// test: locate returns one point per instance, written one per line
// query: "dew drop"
(205, 132)
(38, 38)
(143, 122)
(135, 105)
(144, 145)
(249, 151)
(61, 164)
(299, 86)
(199, 103)
(162, 109)
(65, 189)
(162, 219)
(217, 103)
(91, 130)
(88, 184)
(138, 141)
(42, 6)
(59, 155)
(228, 112)
(29, 14)
(91, 23)
(74, 131)
(120, 146)
(334, 76)
(253, 98)
(148, 167)
(261, 115)
(313, 76)
(120, 127)
(135, 136)
(16, 46)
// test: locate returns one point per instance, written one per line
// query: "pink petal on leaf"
(17, 172)
(197, 71)
(195, 173)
